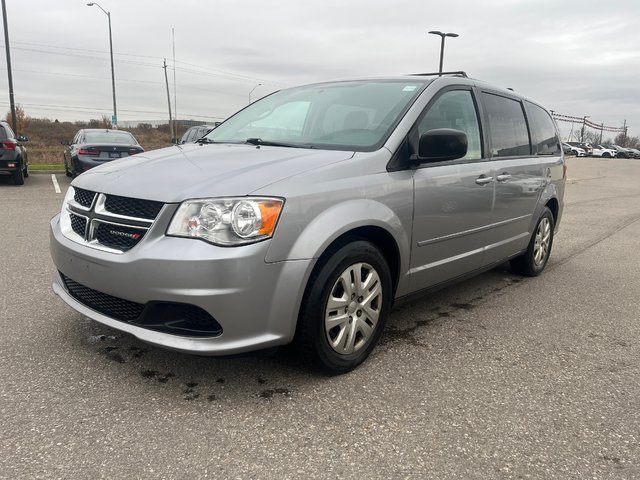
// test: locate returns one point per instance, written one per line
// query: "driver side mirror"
(22, 138)
(442, 144)
(65, 142)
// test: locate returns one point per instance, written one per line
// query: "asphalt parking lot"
(497, 377)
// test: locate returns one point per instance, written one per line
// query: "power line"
(204, 70)
(66, 108)
(182, 86)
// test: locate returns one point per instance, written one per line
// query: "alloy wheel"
(353, 308)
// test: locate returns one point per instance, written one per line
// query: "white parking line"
(55, 183)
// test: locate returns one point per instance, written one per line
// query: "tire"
(25, 171)
(67, 172)
(341, 319)
(606, 155)
(532, 262)
(18, 177)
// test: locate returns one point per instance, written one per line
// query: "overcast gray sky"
(577, 57)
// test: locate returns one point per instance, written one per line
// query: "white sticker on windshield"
(409, 88)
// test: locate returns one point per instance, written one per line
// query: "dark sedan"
(92, 147)
(13, 155)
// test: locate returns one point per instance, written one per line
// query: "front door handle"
(503, 177)
(484, 180)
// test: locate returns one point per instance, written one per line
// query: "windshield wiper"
(269, 143)
(204, 140)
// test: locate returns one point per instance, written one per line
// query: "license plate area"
(114, 154)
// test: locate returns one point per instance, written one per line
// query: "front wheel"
(345, 308)
(532, 262)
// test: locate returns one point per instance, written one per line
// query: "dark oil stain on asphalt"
(190, 391)
(391, 334)
(463, 306)
(268, 394)
(111, 354)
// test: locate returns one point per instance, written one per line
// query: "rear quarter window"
(543, 131)
(508, 131)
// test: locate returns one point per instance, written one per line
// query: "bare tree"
(106, 121)
(22, 121)
(621, 139)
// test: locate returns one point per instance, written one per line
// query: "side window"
(10, 133)
(76, 139)
(455, 109)
(508, 128)
(3, 133)
(543, 131)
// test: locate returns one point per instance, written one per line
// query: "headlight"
(227, 221)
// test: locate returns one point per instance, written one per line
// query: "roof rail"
(456, 74)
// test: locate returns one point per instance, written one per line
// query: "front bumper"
(256, 303)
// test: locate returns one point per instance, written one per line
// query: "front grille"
(78, 224)
(84, 197)
(132, 207)
(109, 222)
(118, 237)
(108, 305)
(167, 317)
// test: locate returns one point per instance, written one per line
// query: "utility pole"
(166, 81)
(6, 44)
(601, 128)
(624, 127)
(584, 122)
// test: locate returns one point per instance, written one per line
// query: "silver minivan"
(306, 215)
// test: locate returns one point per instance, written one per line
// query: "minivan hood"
(175, 173)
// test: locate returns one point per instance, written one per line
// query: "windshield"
(120, 138)
(356, 115)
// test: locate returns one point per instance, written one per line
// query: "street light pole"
(114, 120)
(442, 35)
(252, 92)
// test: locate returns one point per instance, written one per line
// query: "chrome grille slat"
(93, 221)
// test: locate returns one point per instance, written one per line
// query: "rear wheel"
(345, 308)
(67, 172)
(18, 177)
(606, 155)
(532, 262)
(25, 171)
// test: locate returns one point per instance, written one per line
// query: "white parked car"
(577, 151)
(600, 151)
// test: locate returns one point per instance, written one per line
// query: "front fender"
(339, 219)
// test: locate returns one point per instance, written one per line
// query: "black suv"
(13, 155)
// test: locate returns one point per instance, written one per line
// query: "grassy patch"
(43, 166)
